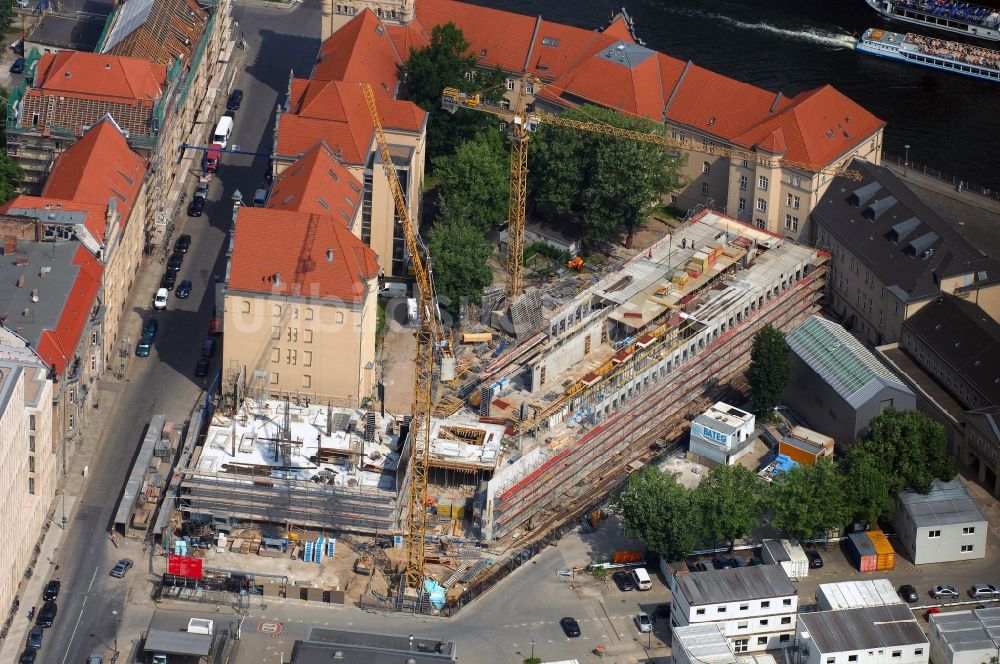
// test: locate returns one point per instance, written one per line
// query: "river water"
(951, 122)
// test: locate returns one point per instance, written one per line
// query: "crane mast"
(420, 426)
(520, 126)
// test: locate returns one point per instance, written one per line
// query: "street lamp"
(411, 643)
(532, 650)
(115, 614)
(906, 159)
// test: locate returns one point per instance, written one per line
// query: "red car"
(215, 327)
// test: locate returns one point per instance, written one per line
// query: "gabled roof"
(360, 51)
(874, 217)
(335, 112)
(98, 76)
(156, 30)
(963, 337)
(57, 346)
(734, 585)
(947, 503)
(870, 628)
(271, 256)
(842, 361)
(101, 169)
(317, 184)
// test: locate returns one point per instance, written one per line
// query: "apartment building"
(944, 525)
(792, 141)
(891, 254)
(755, 607)
(300, 307)
(28, 457)
(71, 255)
(329, 107)
(869, 635)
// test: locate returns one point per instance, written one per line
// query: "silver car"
(942, 592)
(643, 622)
(984, 591)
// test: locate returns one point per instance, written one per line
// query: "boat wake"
(821, 37)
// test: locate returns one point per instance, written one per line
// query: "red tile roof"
(269, 256)
(57, 346)
(361, 51)
(335, 112)
(497, 38)
(99, 76)
(98, 168)
(317, 184)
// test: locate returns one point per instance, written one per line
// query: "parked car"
(35, 637)
(149, 330)
(175, 262)
(815, 560)
(169, 280)
(201, 191)
(183, 289)
(208, 348)
(95, 659)
(215, 326)
(143, 348)
(703, 566)
(643, 622)
(17, 67)
(235, 99)
(984, 591)
(930, 612)
(196, 207)
(28, 656)
(623, 580)
(52, 589)
(123, 566)
(201, 368)
(570, 626)
(183, 243)
(160, 299)
(909, 593)
(740, 562)
(943, 592)
(47, 615)
(722, 563)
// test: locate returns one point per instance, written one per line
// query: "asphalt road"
(278, 41)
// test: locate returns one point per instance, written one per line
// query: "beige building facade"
(28, 459)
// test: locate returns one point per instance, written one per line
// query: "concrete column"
(327, 28)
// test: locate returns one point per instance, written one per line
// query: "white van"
(160, 299)
(222, 131)
(641, 578)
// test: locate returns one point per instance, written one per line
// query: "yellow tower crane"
(521, 124)
(428, 329)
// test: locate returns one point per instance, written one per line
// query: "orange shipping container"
(883, 549)
(627, 556)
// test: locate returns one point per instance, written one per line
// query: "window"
(307, 336)
(791, 223)
(339, 318)
(31, 464)
(741, 645)
(852, 658)
(765, 604)
(831, 660)
(967, 548)
(745, 164)
(307, 358)
(586, 345)
(762, 205)
(784, 638)
(293, 334)
(275, 355)
(721, 609)
(274, 378)
(541, 381)
(31, 422)
(762, 640)
(276, 310)
(743, 625)
(918, 651)
(744, 181)
(276, 332)
(698, 612)
(744, 607)
(793, 201)
(762, 183)
(706, 168)
(786, 602)
(93, 363)
(934, 533)
(970, 530)
(763, 622)
(787, 620)
(897, 653)
(510, 84)
(31, 485)
(309, 313)
(291, 356)
(31, 443)
(246, 306)
(743, 205)
(93, 338)
(529, 88)
(70, 422)
(761, 223)
(307, 380)
(704, 189)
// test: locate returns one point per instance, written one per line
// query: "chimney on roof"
(27, 312)
(329, 255)
(20, 281)
(277, 280)
(34, 295)
(107, 66)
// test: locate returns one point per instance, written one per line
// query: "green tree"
(808, 501)
(11, 177)
(768, 372)
(460, 256)
(474, 181)
(730, 500)
(657, 509)
(611, 183)
(870, 497)
(912, 447)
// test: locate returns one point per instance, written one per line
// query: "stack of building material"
(869, 556)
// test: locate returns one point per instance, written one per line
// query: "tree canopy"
(659, 510)
(460, 255)
(870, 497)
(768, 372)
(610, 183)
(809, 501)
(11, 177)
(730, 501)
(474, 181)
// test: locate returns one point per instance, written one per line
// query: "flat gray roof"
(369, 648)
(733, 585)
(69, 32)
(947, 503)
(49, 269)
(178, 643)
(864, 628)
(963, 631)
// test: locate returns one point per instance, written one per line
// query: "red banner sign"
(184, 566)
